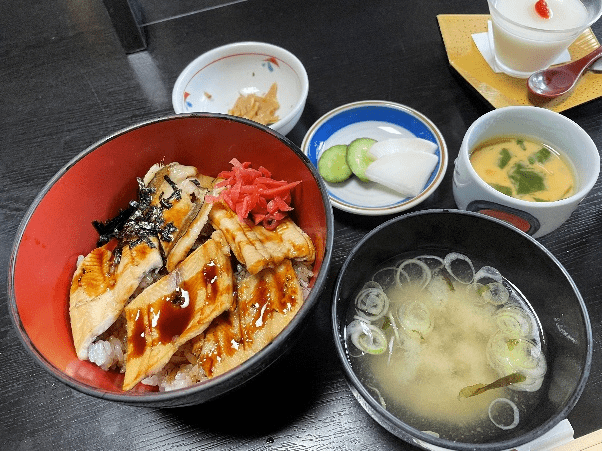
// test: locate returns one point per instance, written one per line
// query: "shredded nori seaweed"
(140, 222)
(108, 229)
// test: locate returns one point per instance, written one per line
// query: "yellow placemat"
(500, 89)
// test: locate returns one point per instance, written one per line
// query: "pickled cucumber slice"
(332, 164)
(358, 158)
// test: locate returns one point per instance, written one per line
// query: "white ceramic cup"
(535, 218)
(524, 43)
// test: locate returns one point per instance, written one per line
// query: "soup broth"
(524, 169)
(446, 328)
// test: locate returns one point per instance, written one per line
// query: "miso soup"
(447, 349)
(524, 169)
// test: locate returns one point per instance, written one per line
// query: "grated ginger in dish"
(257, 108)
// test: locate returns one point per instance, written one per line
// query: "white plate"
(378, 120)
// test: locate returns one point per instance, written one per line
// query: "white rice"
(185, 376)
(107, 353)
(183, 370)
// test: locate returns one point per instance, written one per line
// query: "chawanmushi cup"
(472, 193)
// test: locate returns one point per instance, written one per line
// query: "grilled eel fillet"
(187, 209)
(258, 248)
(99, 292)
(266, 303)
(175, 309)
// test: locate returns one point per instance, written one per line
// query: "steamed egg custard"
(524, 169)
(447, 349)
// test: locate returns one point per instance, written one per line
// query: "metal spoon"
(556, 81)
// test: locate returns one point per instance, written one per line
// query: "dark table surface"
(65, 82)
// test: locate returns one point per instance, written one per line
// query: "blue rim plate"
(378, 120)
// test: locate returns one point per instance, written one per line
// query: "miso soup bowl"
(535, 218)
(96, 185)
(520, 259)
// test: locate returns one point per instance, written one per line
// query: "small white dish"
(213, 81)
(378, 120)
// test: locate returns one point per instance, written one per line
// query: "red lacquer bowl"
(95, 186)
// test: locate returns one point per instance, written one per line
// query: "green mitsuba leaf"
(526, 180)
(541, 156)
(521, 143)
(504, 158)
(507, 190)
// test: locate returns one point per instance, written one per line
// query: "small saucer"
(499, 89)
(378, 120)
(213, 81)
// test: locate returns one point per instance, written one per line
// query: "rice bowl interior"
(57, 229)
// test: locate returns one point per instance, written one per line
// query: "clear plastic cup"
(524, 43)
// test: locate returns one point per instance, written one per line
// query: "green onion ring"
(514, 411)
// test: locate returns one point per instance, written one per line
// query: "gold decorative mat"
(500, 89)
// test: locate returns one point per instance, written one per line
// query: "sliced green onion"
(385, 277)
(372, 302)
(433, 262)
(517, 355)
(415, 318)
(462, 270)
(514, 322)
(475, 292)
(395, 328)
(381, 400)
(496, 293)
(391, 341)
(414, 270)
(488, 274)
(367, 337)
(515, 413)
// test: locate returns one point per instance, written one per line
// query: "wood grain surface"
(65, 83)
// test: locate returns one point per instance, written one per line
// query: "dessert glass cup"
(521, 50)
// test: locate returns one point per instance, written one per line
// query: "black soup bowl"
(521, 260)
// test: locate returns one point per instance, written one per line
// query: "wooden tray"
(500, 89)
